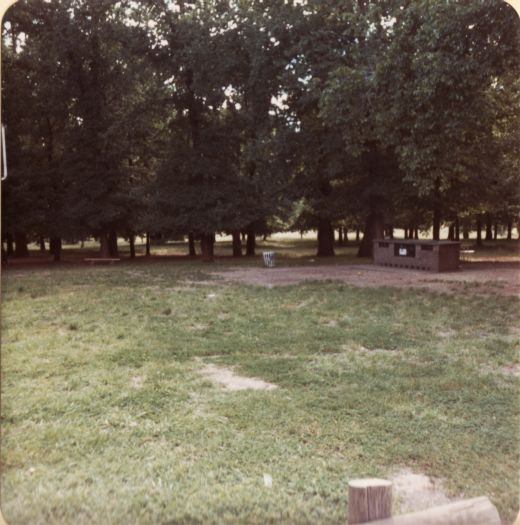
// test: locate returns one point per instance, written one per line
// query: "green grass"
(106, 419)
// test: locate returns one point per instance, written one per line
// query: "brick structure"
(435, 256)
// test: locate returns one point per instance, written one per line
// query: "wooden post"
(476, 511)
(369, 500)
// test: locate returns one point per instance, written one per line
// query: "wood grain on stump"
(369, 500)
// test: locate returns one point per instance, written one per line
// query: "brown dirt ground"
(227, 378)
(415, 491)
(502, 278)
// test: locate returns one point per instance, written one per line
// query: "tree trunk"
(148, 251)
(114, 252)
(4, 255)
(391, 231)
(132, 246)
(416, 234)
(251, 240)
(10, 243)
(436, 226)
(436, 222)
(237, 244)
(340, 236)
(495, 231)
(489, 227)
(55, 248)
(21, 249)
(373, 229)
(325, 238)
(451, 233)
(207, 245)
(437, 211)
(457, 229)
(42, 243)
(465, 231)
(357, 234)
(509, 232)
(104, 245)
(191, 245)
(479, 230)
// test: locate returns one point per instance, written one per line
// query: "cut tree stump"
(369, 500)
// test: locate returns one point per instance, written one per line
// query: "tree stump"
(369, 500)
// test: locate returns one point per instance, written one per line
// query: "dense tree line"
(191, 118)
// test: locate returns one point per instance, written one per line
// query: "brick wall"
(435, 256)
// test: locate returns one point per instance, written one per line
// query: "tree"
(32, 54)
(198, 117)
(223, 169)
(351, 103)
(442, 61)
(77, 140)
(106, 80)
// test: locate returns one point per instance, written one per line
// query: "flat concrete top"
(412, 241)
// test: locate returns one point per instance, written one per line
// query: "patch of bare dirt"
(231, 381)
(505, 371)
(415, 492)
(510, 370)
(501, 278)
(137, 382)
(198, 327)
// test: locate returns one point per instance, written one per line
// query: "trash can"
(268, 259)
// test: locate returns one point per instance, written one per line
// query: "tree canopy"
(199, 117)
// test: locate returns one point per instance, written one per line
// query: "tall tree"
(443, 59)
(105, 81)
(352, 106)
(36, 72)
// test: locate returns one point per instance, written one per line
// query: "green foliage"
(422, 81)
(221, 115)
(224, 169)
(34, 193)
(84, 116)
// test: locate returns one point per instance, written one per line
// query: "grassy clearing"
(106, 420)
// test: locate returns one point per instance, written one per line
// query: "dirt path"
(501, 278)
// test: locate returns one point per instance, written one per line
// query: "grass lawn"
(107, 420)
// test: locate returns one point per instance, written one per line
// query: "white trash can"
(268, 259)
